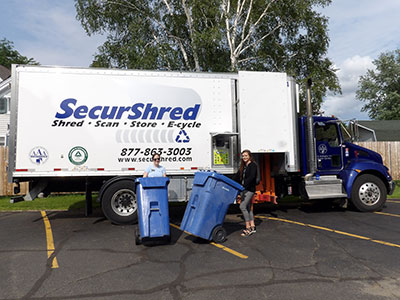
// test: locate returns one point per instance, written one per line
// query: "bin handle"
(194, 202)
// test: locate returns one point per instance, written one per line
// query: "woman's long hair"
(242, 163)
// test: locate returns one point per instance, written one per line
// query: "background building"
(5, 96)
(373, 131)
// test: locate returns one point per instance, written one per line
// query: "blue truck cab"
(358, 171)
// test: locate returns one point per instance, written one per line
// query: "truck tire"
(119, 203)
(368, 193)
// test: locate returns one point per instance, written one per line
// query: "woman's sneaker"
(253, 229)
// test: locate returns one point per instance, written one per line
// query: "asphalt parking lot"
(306, 252)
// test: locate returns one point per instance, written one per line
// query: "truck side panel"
(89, 122)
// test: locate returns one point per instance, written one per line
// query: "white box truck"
(89, 129)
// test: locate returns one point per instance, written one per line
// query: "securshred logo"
(142, 111)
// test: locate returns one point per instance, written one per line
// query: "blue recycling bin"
(153, 215)
(211, 196)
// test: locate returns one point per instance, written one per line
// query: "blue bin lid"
(200, 178)
(153, 182)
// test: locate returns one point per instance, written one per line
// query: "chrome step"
(325, 187)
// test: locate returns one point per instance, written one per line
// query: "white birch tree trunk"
(240, 31)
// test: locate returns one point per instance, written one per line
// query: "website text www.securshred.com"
(145, 154)
(149, 159)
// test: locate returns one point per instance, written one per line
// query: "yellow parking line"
(177, 227)
(50, 241)
(387, 214)
(231, 251)
(331, 230)
(392, 201)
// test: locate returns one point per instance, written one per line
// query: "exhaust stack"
(310, 134)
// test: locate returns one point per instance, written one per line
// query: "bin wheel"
(218, 234)
(137, 237)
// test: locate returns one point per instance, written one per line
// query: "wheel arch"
(374, 173)
(355, 170)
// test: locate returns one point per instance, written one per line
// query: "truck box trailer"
(89, 129)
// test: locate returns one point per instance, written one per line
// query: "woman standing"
(247, 176)
(155, 170)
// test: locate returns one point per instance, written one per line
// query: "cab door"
(329, 151)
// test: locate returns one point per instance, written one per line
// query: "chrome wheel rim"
(369, 193)
(124, 203)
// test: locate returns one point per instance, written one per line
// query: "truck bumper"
(391, 187)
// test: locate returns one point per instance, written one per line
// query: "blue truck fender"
(357, 168)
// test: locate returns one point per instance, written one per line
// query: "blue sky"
(47, 31)
(359, 31)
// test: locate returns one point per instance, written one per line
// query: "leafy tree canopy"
(380, 88)
(214, 36)
(9, 56)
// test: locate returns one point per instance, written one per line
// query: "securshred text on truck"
(87, 129)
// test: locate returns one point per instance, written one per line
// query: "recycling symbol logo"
(182, 137)
(78, 155)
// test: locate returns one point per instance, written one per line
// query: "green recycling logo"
(78, 155)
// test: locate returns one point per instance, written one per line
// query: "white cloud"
(346, 106)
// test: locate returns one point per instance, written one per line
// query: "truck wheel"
(218, 234)
(119, 202)
(368, 193)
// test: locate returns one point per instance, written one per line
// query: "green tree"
(214, 36)
(380, 88)
(8, 55)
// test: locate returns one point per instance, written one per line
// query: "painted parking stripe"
(393, 201)
(387, 214)
(332, 230)
(229, 250)
(50, 241)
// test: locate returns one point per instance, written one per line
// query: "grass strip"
(396, 194)
(56, 202)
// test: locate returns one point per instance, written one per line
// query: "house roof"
(385, 130)
(4, 73)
